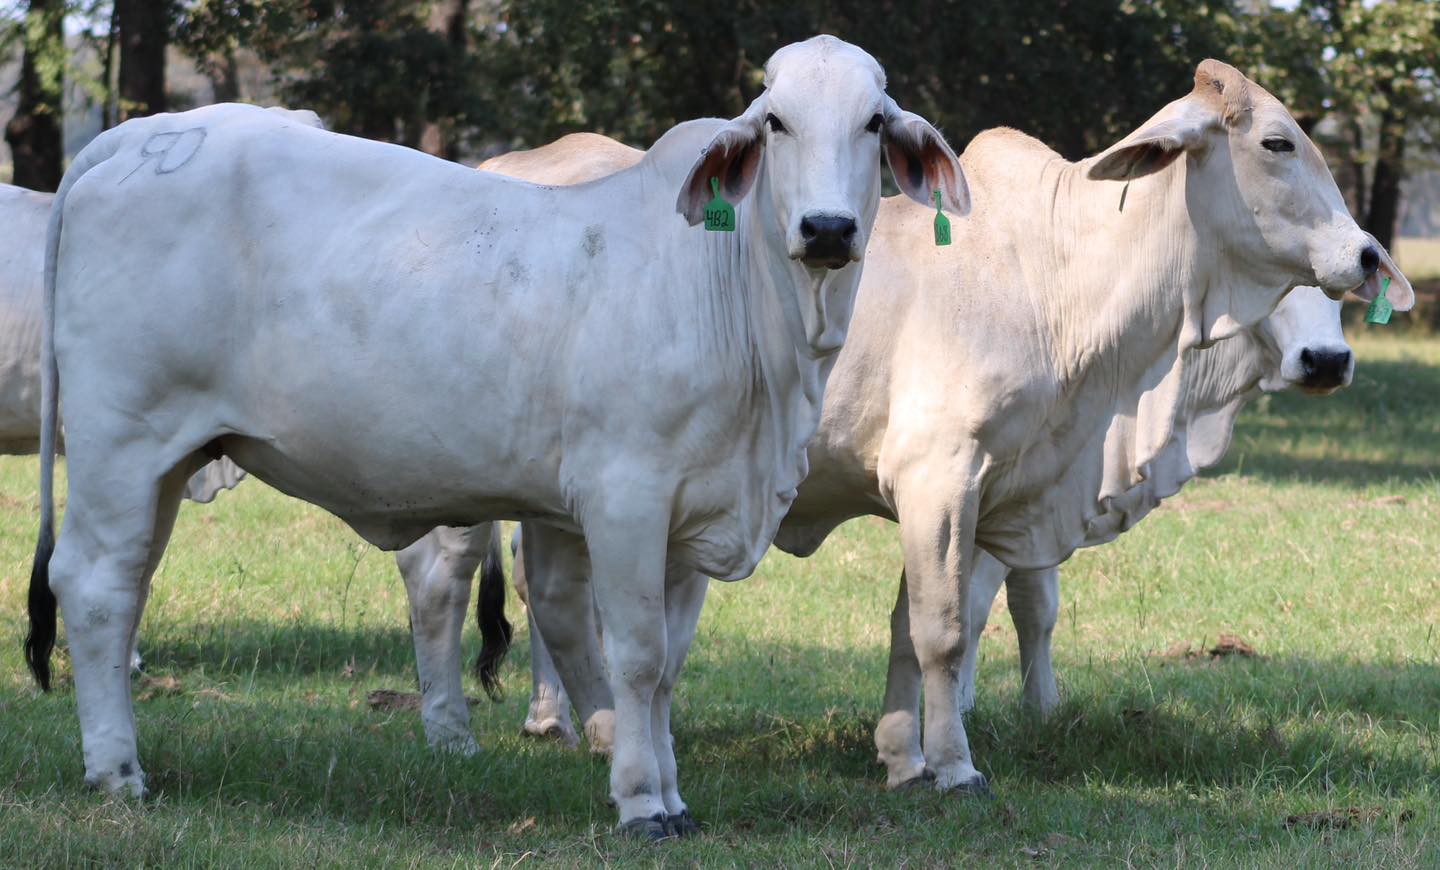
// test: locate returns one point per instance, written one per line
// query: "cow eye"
(775, 125)
(1277, 143)
(875, 123)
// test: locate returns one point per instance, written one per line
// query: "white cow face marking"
(810, 145)
(1260, 190)
(1303, 335)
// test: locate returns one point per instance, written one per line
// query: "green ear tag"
(942, 223)
(1380, 310)
(719, 214)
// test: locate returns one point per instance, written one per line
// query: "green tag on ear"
(942, 223)
(1380, 310)
(719, 214)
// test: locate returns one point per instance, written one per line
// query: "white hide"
(411, 344)
(24, 215)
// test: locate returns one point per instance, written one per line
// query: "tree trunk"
(447, 17)
(1357, 167)
(1389, 173)
(223, 71)
(144, 32)
(109, 115)
(36, 146)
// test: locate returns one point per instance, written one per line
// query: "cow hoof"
(976, 787)
(464, 746)
(682, 824)
(125, 785)
(551, 729)
(652, 829)
(926, 779)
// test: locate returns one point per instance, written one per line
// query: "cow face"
(810, 147)
(1303, 336)
(1260, 197)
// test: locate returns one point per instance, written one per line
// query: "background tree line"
(460, 78)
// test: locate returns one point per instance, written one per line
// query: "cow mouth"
(828, 262)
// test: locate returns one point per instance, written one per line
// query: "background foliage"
(464, 78)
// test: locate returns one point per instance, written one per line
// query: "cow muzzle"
(827, 241)
(1324, 370)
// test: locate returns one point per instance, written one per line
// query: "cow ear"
(1150, 150)
(922, 161)
(733, 156)
(1400, 294)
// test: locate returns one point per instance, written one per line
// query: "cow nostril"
(847, 234)
(1370, 260)
(1307, 359)
(807, 229)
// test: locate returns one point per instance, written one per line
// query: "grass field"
(1316, 543)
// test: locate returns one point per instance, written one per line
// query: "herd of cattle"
(424, 350)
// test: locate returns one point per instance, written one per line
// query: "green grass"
(1316, 543)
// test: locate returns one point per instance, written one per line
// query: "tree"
(144, 27)
(34, 132)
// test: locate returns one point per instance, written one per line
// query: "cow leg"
(985, 582)
(684, 599)
(937, 531)
(549, 712)
(557, 576)
(1034, 599)
(115, 532)
(438, 570)
(628, 558)
(897, 735)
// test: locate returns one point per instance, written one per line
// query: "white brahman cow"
(409, 344)
(976, 393)
(24, 215)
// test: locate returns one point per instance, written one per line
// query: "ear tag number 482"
(719, 214)
(1380, 309)
(942, 223)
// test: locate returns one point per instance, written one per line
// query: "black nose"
(1324, 369)
(1369, 260)
(828, 240)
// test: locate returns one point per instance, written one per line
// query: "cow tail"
(41, 605)
(495, 629)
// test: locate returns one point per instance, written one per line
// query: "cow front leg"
(562, 610)
(897, 735)
(438, 570)
(548, 715)
(985, 582)
(1034, 600)
(684, 599)
(627, 543)
(937, 528)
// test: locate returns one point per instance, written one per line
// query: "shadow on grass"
(775, 735)
(1390, 412)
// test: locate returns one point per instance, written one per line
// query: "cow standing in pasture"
(409, 344)
(1299, 346)
(977, 396)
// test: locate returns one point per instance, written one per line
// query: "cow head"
(1260, 198)
(1304, 345)
(810, 146)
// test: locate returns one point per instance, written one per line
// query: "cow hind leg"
(117, 524)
